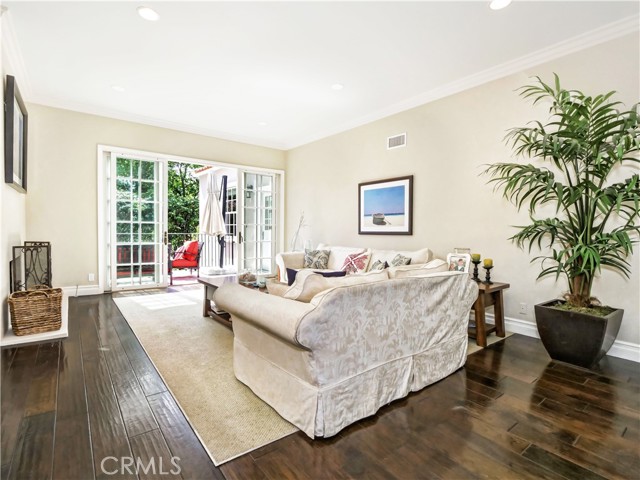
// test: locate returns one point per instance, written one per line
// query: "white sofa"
(338, 254)
(325, 364)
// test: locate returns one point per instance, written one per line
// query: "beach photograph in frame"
(385, 207)
(15, 137)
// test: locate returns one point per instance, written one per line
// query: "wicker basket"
(36, 311)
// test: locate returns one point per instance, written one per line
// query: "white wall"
(62, 198)
(12, 207)
(449, 141)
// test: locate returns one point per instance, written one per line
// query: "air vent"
(397, 141)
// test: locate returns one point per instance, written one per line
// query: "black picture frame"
(15, 136)
(385, 207)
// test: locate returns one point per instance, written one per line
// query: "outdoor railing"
(210, 255)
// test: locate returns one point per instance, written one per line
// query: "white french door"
(138, 219)
(257, 219)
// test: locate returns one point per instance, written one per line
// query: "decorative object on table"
(487, 265)
(15, 137)
(294, 239)
(459, 262)
(385, 207)
(36, 311)
(247, 277)
(30, 266)
(475, 259)
(596, 220)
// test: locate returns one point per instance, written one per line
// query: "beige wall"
(12, 209)
(449, 141)
(62, 200)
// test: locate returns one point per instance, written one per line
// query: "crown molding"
(583, 41)
(10, 46)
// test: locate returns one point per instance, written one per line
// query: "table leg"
(481, 331)
(206, 306)
(498, 311)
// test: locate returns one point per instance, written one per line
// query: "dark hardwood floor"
(509, 413)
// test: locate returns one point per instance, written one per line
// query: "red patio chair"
(186, 256)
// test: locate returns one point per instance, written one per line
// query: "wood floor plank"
(72, 398)
(72, 458)
(133, 404)
(34, 448)
(181, 439)
(153, 458)
(559, 465)
(15, 388)
(44, 384)
(108, 434)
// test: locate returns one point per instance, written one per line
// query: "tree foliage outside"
(585, 140)
(183, 214)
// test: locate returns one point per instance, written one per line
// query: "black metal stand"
(475, 270)
(487, 279)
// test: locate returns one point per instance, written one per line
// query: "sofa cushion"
(339, 254)
(309, 283)
(316, 259)
(356, 262)
(434, 266)
(378, 265)
(417, 256)
(400, 259)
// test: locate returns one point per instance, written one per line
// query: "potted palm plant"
(585, 143)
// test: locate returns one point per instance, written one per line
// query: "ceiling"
(261, 72)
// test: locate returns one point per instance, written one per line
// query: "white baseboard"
(619, 349)
(82, 290)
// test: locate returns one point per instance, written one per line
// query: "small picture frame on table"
(459, 262)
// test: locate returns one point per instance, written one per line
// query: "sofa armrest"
(276, 315)
(286, 260)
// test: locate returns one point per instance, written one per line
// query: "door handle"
(240, 239)
(165, 237)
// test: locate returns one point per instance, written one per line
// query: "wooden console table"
(487, 296)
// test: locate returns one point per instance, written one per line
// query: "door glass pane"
(138, 223)
(258, 222)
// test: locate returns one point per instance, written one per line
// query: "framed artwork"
(385, 207)
(459, 262)
(15, 137)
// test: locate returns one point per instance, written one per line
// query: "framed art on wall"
(15, 137)
(385, 207)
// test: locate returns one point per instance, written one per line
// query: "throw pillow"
(356, 262)
(291, 275)
(378, 265)
(179, 254)
(316, 259)
(332, 274)
(191, 250)
(400, 260)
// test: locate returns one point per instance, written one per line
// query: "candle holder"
(475, 270)
(487, 279)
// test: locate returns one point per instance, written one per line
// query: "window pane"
(148, 171)
(123, 167)
(123, 211)
(147, 190)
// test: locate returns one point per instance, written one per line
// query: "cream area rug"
(194, 356)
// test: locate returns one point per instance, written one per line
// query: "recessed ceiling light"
(499, 4)
(117, 88)
(337, 86)
(262, 124)
(148, 14)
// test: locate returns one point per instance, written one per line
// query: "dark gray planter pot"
(576, 338)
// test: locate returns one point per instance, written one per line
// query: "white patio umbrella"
(212, 222)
